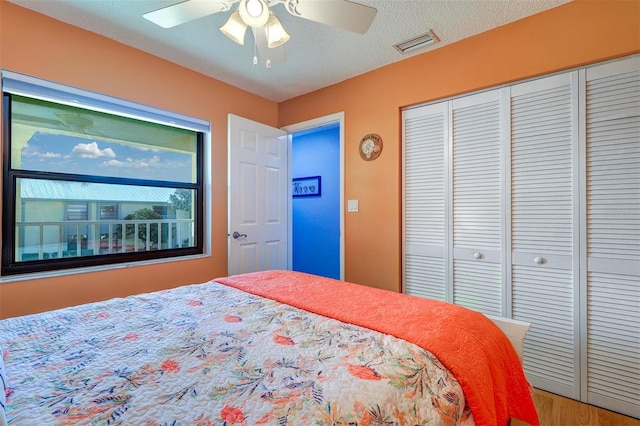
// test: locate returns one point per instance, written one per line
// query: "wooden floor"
(554, 410)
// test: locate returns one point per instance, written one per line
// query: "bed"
(272, 348)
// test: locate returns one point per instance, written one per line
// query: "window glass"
(108, 212)
(51, 229)
(50, 137)
(89, 187)
(76, 211)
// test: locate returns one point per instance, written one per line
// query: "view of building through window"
(137, 219)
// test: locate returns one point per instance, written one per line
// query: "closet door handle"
(477, 255)
(538, 260)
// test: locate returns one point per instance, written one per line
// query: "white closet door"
(544, 233)
(525, 202)
(425, 135)
(477, 201)
(612, 354)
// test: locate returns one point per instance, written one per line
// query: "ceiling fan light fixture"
(276, 34)
(254, 13)
(235, 28)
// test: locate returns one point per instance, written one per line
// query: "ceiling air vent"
(416, 42)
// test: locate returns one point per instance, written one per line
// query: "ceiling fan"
(269, 35)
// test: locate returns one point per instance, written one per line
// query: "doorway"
(317, 219)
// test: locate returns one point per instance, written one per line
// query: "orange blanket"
(468, 343)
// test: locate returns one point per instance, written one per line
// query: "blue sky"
(67, 154)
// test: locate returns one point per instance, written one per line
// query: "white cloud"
(51, 155)
(91, 150)
(113, 163)
(130, 163)
(29, 151)
(143, 148)
(42, 156)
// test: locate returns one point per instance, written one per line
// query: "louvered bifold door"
(544, 232)
(425, 131)
(477, 202)
(613, 236)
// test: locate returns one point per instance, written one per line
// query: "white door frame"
(309, 124)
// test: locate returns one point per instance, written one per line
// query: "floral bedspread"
(209, 354)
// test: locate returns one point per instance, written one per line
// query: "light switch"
(352, 206)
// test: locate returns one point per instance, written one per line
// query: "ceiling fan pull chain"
(255, 51)
(267, 63)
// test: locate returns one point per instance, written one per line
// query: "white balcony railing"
(50, 240)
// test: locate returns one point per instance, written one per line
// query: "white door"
(611, 275)
(544, 239)
(258, 194)
(425, 135)
(476, 193)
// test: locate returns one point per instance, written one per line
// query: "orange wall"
(37, 45)
(574, 34)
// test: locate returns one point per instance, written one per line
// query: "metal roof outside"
(37, 189)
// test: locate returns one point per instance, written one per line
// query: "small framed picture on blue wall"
(307, 187)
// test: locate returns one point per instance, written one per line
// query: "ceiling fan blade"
(336, 13)
(186, 11)
(277, 55)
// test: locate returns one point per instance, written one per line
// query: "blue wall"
(316, 220)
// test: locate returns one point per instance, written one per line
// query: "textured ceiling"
(318, 55)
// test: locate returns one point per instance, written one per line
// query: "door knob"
(237, 235)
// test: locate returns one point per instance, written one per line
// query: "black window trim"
(11, 267)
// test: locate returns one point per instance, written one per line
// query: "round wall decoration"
(370, 147)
